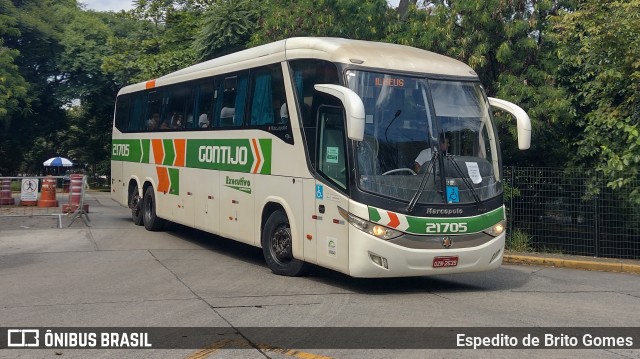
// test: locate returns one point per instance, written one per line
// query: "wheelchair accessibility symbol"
(452, 194)
(319, 191)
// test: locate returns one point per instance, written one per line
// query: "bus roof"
(375, 55)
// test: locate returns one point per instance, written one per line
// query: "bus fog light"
(380, 261)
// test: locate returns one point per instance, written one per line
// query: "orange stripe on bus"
(180, 146)
(258, 159)
(150, 84)
(395, 222)
(163, 179)
(158, 151)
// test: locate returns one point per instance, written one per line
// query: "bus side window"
(269, 110)
(179, 104)
(153, 110)
(306, 73)
(261, 98)
(123, 112)
(231, 100)
(203, 111)
(331, 139)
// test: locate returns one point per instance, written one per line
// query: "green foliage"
(602, 57)
(153, 40)
(354, 19)
(507, 45)
(227, 27)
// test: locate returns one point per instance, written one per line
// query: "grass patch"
(519, 241)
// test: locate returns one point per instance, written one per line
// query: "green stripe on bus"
(265, 146)
(452, 225)
(169, 153)
(126, 150)
(146, 150)
(374, 216)
(174, 177)
(234, 155)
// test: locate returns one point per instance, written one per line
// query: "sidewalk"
(575, 262)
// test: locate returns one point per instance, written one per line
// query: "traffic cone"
(48, 193)
(75, 193)
(5, 193)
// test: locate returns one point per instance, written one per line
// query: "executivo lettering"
(240, 184)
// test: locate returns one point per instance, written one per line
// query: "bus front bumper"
(368, 257)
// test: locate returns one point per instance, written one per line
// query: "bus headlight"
(497, 229)
(374, 229)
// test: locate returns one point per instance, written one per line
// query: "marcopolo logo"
(240, 184)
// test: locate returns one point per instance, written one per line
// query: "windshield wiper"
(414, 199)
(465, 181)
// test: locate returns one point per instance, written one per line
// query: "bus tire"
(277, 244)
(135, 202)
(151, 221)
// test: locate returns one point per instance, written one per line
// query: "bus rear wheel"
(135, 203)
(151, 221)
(277, 243)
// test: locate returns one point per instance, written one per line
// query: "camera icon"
(23, 338)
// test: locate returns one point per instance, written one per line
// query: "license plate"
(441, 262)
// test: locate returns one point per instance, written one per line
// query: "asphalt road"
(116, 274)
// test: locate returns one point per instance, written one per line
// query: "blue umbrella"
(57, 162)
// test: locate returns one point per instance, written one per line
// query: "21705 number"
(446, 227)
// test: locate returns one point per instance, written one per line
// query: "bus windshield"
(420, 129)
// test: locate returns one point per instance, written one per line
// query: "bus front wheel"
(151, 221)
(277, 243)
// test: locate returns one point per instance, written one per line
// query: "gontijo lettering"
(223, 154)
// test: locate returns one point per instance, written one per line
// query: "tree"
(600, 58)
(153, 40)
(14, 98)
(355, 19)
(227, 27)
(507, 44)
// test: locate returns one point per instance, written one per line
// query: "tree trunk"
(403, 7)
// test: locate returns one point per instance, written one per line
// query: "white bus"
(372, 159)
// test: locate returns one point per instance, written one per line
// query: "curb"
(571, 263)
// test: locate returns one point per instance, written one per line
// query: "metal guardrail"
(559, 211)
(35, 196)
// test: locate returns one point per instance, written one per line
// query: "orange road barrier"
(5, 193)
(48, 193)
(75, 194)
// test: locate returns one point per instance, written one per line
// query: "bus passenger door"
(331, 185)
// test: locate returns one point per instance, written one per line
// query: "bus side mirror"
(523, 122)
(353, 106)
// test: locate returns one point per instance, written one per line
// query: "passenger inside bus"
(153, 122)
(426, 154)
(228, 112)
(284, 113)
(203, 121)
